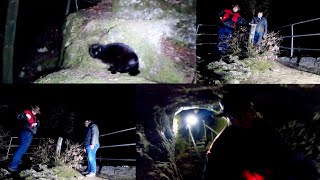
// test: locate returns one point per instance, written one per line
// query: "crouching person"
(30, 124)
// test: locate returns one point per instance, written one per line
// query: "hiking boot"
(84, 172)
(12, 170)
(227, 60)
(91, 175)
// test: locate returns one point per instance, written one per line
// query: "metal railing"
(293, 35)
(205, 34)
(12, 145)
(102, 147)
(117, 145)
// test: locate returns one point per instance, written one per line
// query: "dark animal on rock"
(119, 56)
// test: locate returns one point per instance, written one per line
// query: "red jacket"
(247, 175)
(33, 118)
(226, 16)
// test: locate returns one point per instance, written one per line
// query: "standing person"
(261, 28)
(30, 124)
(229, 19)
(91, 145)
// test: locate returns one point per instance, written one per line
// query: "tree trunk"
(9, 38)
(62, 47)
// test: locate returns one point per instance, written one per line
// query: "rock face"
(162, 33)
(119, 172)
(230, 73)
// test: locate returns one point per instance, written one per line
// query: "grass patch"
(64, 172)
(258, 64)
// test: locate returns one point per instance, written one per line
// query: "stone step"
(200, 143)
(200, 146)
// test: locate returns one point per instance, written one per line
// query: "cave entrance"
(195, 128)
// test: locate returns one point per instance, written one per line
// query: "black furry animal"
(119, 56)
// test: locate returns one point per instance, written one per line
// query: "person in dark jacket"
(91, 145)
(261, 28)
(229, 19)
(30, 124)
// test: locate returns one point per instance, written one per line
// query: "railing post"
(251, 36)
(205, 130)
(9, 148)
(193, 142)
(291, 53)
(211, 135)
(59, 144)
(39, 145)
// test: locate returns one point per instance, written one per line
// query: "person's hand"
(34, 124)
(92, 146)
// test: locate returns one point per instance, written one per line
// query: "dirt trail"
(281, 74)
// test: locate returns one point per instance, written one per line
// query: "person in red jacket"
(30, 124)
(229, 19)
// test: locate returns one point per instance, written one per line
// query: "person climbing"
(30, 124)
(229, 19)
(261, 29)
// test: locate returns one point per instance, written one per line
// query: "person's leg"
(25, 141)
(257, 38)
(227, 39)
(88, 149)
(94, 160)
(221, 35)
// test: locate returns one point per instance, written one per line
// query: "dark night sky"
(281, 12)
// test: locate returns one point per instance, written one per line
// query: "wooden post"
(9, 39)
(59, 144)
(252, 32)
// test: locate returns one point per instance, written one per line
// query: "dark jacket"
(262, 25)
(92, 135)
(25, 123)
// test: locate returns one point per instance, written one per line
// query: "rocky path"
(64, 173)
(281, 74)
